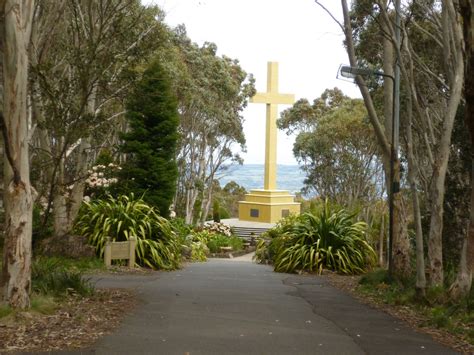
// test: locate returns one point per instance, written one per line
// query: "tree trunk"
(16, 273)
(420, 257)
(77, 193)
(401, 245)
(463, 283)
(452, 41)
(381, 241)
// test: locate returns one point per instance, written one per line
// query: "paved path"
(238, 307)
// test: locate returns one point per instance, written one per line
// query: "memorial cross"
(271, 98)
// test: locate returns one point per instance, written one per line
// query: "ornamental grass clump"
(328, 240)
(120, 218)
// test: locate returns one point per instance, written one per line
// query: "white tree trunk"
(16, 274)
(453, 39)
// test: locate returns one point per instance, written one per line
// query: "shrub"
(49, 277)
(125, 216)
(329, 240)
(215, 241)
(180, 227)
(218, 240)
(216, 217)
(195, 246)
(218, 228)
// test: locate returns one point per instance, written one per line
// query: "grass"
(43, 304)
(89, 265)
(5, 310)
(439, 311)
(60, 277)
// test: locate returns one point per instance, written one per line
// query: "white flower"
(86, 199)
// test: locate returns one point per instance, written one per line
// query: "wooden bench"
(120, 250)
(225, 249)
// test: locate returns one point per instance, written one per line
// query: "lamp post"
(352, 72)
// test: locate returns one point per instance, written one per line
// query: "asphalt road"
(237, 307)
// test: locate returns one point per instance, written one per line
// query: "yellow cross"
(272, 98)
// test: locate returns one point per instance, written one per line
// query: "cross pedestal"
(269, 204)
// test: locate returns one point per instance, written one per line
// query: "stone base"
(267, 206)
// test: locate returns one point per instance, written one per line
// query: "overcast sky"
(298, 34)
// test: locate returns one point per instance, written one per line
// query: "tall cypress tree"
(150, 143)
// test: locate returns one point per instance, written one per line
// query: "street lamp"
(351, 73)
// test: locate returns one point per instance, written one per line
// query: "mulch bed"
(77, 323)
(414, 319)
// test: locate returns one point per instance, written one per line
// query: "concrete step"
(248, 232)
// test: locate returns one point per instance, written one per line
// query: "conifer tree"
(150, 143)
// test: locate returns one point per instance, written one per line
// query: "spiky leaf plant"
(126, 216)
(328, 240)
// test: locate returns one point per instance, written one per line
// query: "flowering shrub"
(218, 228)
(214, 240)
(100, 178)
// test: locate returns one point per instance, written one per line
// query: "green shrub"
(215, 241)
(440, 317)
(216, 217)
(329, 240)
(126, 216)
(194, 246)
(198, 251)
(49, 277)
(375, 278)
(180, 228)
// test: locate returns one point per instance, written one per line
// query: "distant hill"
(250, 176)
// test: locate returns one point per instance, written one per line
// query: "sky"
(298, 34)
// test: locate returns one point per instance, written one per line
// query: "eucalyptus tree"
(463, 283)
(83, 55)
(212, 91)
(432, 82)
(336, 147)
(16, 22)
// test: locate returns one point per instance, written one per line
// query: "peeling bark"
(16, 273)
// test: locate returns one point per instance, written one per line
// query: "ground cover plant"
(328, 239)
(125, 216)
(55, 279)
(436, 308)
(49, 276)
